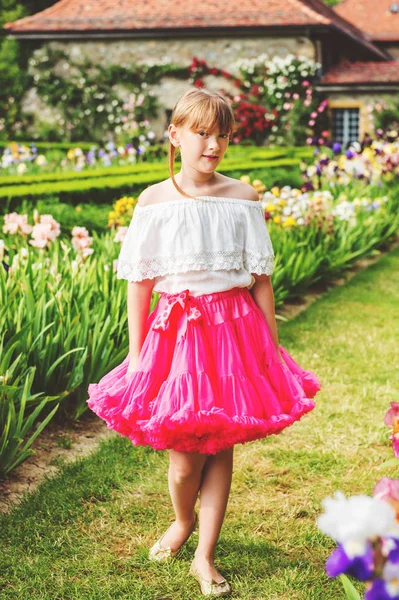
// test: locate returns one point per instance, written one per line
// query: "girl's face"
(197, 146)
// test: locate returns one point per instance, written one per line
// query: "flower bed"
(64, 313)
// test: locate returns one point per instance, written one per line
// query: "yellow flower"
(275, 191)
(295, 193)
(368, 153)
(277, 219)
(270, 207)
(282, 202)
(258, 185)
(245, 178)
(78, 209)
(289, 222)
(71, 154)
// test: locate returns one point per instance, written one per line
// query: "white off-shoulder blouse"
(208, 244)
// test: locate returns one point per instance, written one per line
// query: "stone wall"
(221, 52)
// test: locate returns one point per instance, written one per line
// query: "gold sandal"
(160, 554)
(210, 588)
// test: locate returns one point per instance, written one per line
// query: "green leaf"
(350, 590)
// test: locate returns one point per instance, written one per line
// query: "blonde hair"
(200, 109)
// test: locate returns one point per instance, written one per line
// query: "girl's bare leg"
(184, 478)
(214, 495)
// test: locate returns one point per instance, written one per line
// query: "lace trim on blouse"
(212, 261)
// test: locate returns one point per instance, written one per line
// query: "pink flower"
(80, 243)
(15, 223)
(311, 123)
(120, 234)
(295, 96)
(307, 102)
(287, 105)
(80, 232)
(287, 95)
(313, 115)
(391, 419)
(388, 490)
(41, 243)
(53, 226)
(325, 133)
(41, 234)
(305, 83)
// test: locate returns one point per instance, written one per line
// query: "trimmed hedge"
(144, 167)
(100, 188)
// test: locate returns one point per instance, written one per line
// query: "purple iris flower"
(307, 186)
(393, 556)
(101, 152)
(379, 591)
(318, 170)
(375, 204)
(360, 567)
(128, 146)
(324, 161)
(337, 148)
(110, 145)
(349, 154)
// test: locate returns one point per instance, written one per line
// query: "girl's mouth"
(210, 157)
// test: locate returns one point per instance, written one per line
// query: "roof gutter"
(358, 87)
(185, 32)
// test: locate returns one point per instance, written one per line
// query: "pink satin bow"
(190, 312)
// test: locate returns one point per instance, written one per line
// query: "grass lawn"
(85, 534)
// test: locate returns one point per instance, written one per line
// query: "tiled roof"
(374, 17)
(158, 14)
(123, 15)
(363, 72)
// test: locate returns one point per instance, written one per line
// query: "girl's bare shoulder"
(156, 194)
(235, 188)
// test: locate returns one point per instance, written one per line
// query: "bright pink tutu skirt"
(208, 377)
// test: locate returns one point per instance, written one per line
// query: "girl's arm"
(262, 293)
(138, 305)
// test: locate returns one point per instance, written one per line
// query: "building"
(357, 44)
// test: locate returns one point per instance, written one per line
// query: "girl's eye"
(225, 135)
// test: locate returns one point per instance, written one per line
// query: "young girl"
(205, 370)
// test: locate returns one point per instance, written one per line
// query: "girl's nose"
(213, 145)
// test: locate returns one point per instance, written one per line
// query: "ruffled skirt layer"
(208, 377)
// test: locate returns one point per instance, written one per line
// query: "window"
(345, 125)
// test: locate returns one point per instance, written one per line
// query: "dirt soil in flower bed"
(59, 444)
